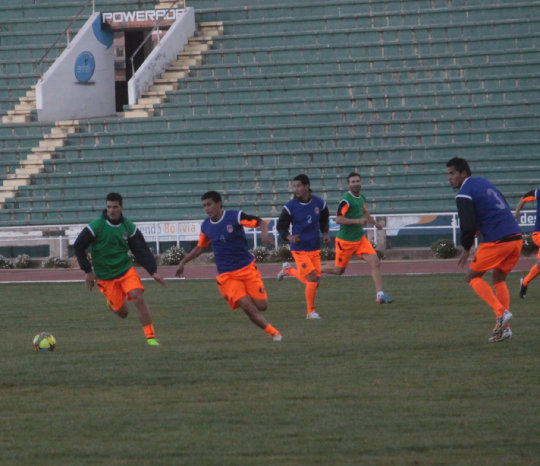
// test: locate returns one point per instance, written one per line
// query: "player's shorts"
(246, 281)
(116, 290)
(346, 249)
(497, 255)
(307, 262)
(536, 240)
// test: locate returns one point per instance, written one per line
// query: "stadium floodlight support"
(65, 31)
(154, 29)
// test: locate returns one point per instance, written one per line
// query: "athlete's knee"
(122, 312)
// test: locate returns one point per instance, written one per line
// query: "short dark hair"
(461, 165)
(214, 195)
(114, 197)
(302, 178)
(352, 175)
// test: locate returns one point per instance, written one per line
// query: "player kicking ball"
(238, 279)
(111, 237)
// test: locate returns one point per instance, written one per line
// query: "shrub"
(55, 263)
(281, 254)
(528, 245)
(5, 263)
(328, 254)
(23, 261)
(173, 256)
(261, 253)
(444, 248)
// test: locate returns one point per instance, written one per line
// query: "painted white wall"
(163, 54)
(60, 96)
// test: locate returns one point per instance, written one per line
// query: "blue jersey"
(305, 222)
(493, 216)
(228, 240)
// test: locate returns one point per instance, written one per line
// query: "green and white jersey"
(110, 247)
(352, 207)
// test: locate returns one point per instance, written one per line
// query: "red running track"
(267, 270)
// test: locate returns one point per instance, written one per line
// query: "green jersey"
(351, 206)
(110, 247)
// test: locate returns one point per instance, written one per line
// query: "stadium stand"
(389, 88)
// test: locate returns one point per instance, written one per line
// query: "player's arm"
(82, 243)
(204, 242)
(284, 221)
(324, 223)
(468, 225)
(252, 221)
(370, 220)
(143, 254)
(527, 197)
(341, 218)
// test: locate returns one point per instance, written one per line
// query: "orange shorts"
(346, 249)
(246, 281)
(536, 240)
(116, 290)
(493, 255)
(307, 262)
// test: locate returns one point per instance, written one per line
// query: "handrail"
(155, 28)
(77, 16)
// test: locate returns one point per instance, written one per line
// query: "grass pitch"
(414, 382)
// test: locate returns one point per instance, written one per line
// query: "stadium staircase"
(388, 88)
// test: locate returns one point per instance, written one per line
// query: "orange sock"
(502, 293)
(149, 331)
(486, 293)
(311, 288)
(271, 330)
(533, 273)
(295, 273)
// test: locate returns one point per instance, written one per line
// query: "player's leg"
(534, 271)
(367, 252)
(252, 311)
(134, 289)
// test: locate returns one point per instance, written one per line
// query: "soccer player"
(531, 196)
(481, 207)
(308, 215)
(351, 216)
(238, 279)
(111, 237)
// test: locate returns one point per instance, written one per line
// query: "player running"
(481, 207)
(531, 196)
(308, 215)
(238, 279)
(111, 237)
(351, 216)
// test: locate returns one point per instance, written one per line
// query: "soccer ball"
(44, 342)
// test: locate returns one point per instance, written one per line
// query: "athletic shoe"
(383, 299)
(501, 322)
(522, 290)
(281, 274)
(506, 333)
(277, 337)
(152, 342)
(313, 315)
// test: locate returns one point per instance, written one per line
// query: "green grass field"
(414, 382)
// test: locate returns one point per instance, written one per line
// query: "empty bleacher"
(389, 88)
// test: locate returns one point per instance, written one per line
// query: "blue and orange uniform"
(481, 207)
(237, 274)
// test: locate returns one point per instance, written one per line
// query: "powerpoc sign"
(142, 19)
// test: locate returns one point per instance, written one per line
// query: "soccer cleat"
(313, 316)
(383, 299)
(501, 322)
(152, 342)
(277, 337)
(522, 289)
(281, 274)
(506, 333)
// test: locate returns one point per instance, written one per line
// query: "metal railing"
(154, 29)
(65, 31)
